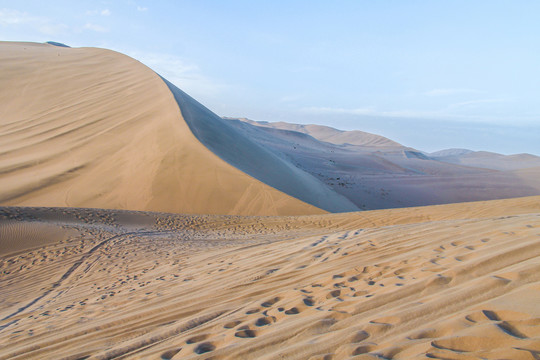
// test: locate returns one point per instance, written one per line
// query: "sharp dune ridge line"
(94, 128)
(458, 281)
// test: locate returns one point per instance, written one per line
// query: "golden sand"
(450, 282)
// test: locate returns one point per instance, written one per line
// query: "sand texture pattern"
(457, 281)
(90, 127)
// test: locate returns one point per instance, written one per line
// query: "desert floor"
(457, 281)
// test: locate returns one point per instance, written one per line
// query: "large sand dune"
(458, 281)
(91, 127)
(94, 128)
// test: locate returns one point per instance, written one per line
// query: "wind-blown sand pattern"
(457, 281)
(91, 127)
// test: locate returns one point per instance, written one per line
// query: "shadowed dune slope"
(458, 281)
(237, 149)
(90, 127)
(376, 173)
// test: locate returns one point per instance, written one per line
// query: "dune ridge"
(240, 151)
(449, 281)
(329, 134)
(94, 128)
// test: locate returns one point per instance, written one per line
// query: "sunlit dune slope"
(457, 281)
(94, 128)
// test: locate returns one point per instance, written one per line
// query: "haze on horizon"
(430, 75)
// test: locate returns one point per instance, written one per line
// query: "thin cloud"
(141, 8)
(105, 12)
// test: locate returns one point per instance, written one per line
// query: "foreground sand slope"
(450, 282)
(94, 128)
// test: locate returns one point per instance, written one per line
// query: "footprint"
(309, 301)
(439, 280)
(204, 348)
(245, 334)
(359, 336)
(270, 302)
(491, 315)
(292, 311)
(267, 320)
(333, 294)
(364, 349)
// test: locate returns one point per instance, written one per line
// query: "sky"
(429, 74)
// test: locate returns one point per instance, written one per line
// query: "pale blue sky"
(429, 74)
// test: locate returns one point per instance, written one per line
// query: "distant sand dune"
(376, 173)
(449, 281)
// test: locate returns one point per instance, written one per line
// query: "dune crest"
(90, 127)
(239, 150)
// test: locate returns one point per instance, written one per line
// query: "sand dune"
(329, 134)
(94, 128)
(82, 129)
(238, 149)
(376, 173)
(87, 127)
(458, 281)
(489, 160)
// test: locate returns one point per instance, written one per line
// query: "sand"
(88, 136)
(458, 281)
(374, 172)
(88, 127)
